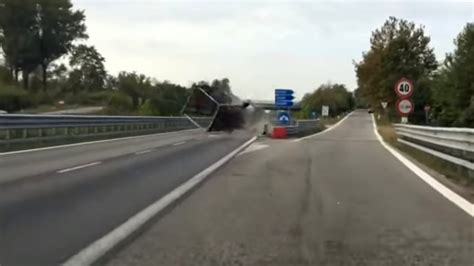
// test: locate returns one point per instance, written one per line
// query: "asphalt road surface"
(55, 202)
(338, 198)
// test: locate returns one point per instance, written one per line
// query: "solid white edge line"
(143, 152)
(179, 143)
(435, 184)
(325, 130)
(101, 246)
(78, 167)
(258, 148)
(94, 142)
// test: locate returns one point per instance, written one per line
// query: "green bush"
(42, 98)
(149, 108)
(99, 98)
(119, 104)
(13, 98)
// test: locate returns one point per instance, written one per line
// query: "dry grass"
(388, 134)
(328, 121)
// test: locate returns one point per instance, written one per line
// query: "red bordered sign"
(405, 107)
(404, 88)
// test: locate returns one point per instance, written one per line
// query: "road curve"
(338, 198)
(55, 202)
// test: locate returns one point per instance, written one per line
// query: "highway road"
(54, 202)
(338, 198)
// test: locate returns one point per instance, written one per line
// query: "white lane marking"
(179, 143)
(435, 184)
(325, 130)
(78, 167)
(253, 147)
(143, 152)
(96, 141)
(100, 247)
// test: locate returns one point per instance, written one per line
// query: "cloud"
(258, 45)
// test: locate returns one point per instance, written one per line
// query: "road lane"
(54, 215)
(338, 198)
(23, 165)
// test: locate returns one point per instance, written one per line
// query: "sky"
(258, 45)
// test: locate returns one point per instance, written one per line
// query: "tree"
(57, 26)
(168, 98)
(398, 49)
(219, 89)
(135, 86)
(453, 85)
(37, 32)
(335, 96)
(18, 37)
(88, 67)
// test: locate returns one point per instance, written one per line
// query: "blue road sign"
(284, 91)
(284, 104)
(284, 118)
(284, 98)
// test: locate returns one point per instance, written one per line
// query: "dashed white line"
(101, 246)
(78, 167)
(179, 143)
(97, 141)
(143, 152)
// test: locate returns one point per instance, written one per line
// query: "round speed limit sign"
(404, 88)
(405, 107)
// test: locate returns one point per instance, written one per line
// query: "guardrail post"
(7, 134)
(24, 133)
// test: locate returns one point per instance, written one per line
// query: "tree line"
(335, 96)
(402, 49)
(44, 62)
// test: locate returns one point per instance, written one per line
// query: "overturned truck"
(229, 117)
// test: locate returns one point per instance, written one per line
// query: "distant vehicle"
(2, 112)
(370, 110)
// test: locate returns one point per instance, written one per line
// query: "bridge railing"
(455, 145)
(31, 128)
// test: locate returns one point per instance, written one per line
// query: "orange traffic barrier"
(279, 133)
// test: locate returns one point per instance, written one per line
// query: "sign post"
(325, 110)
(404, 89)
(284, 100)
(284, 118)
(384, 106)
(427, 114)
(404, 108)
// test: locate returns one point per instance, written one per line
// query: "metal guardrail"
(303, 127)
(455, 145)
(27, 128)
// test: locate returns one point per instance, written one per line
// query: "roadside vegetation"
(335, 96)
(402, 49)
(46, 67)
